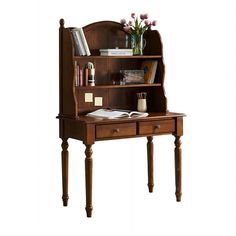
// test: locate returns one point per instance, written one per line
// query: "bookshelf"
(74, 105)
(102, 35)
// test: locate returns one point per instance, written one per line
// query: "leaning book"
(149, 67)
(84, 41)
(79, 49)
(114, 114)
(81, 45)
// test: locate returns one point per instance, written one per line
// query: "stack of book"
(81, 45)
(78, 72)
(116, 52)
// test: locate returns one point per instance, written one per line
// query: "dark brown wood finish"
(115, 130)
(178, 169)
(150, 163)
(155, 127)
(64, 162)
(88, 179)
(66, 72)
(73, 122)
(103, 35)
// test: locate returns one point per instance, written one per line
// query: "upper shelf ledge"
(129, 57)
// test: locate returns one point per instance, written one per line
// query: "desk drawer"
(115, 130)
(155, 127)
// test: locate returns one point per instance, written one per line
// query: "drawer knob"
(157, 127)
(116, 131)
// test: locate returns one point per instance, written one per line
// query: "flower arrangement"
(136, 28)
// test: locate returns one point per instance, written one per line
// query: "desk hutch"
(73, 122)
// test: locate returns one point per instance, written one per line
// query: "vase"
(138, 43)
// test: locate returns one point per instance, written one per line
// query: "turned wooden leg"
(64, 162)
(88, 179)
(178, 155)
(150, 163)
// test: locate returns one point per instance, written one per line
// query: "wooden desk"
(73, 107)
(90, 130)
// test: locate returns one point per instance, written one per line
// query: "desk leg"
(178, 155)
(150, 163)
(64, 162)
(88, 179)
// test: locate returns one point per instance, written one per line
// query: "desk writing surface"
(151, 116)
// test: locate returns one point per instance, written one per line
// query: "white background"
(200, 55)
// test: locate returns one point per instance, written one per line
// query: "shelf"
(119, 86)
(120, 57)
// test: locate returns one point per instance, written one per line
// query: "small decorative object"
(142, 102)
(136, 29)
(132, 76)
(90, 71)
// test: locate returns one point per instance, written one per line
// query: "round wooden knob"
(157, 126)
(62, 22)
(116, 130)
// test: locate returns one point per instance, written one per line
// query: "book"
(79, 50)
(116, 113)
(116, 52)
(85, 77)
(132, 76)
(76, 73)
(81, 45)
(84, 41)
(149, 67)
(81, 79)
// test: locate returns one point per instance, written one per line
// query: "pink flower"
(147, 22)
(133, 15)
(138, 25)
(122, 21)
(142, 16)
(154, 23)
(145, 16)
(127, 28)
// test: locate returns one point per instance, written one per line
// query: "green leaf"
(136, 23)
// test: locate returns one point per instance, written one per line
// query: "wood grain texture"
(179, 126)
(67, 104)
(154, 127)
(115, 130)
